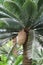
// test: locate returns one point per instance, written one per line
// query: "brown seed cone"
(21, 38)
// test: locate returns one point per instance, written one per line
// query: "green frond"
(40, 31)
(35, 1)
(40, 12)
(30, 10)
(8, 23)
(4, 10)
(39, 25)
(13, 7)
(19, 2)
(7, 35)
(2, 24)
(26, 13)
(40, 3)
(2, 15)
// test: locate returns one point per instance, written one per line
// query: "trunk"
(27, 50)
(26, 61)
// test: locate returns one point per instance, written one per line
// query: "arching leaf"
(3, 15)
(40, 31)
(39, 12)
(35, 1)
(7, 35)
(30, 10)
(39, 21)
(40, 3)
(19, 2)
(2, 24)
(4, 10)
(38, 25)
(13, 8)
(8, 23)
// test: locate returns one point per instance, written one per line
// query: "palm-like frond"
(20, 14)
(3, 15)
(38, 21)
(10, 24)
(6, 36)
(40, 3)
(13, 7)
(19, 2)
(4, 10)
(24, 12)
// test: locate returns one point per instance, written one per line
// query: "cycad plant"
(17, 15)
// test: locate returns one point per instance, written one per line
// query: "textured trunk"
(26, 61)
(27, 50)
